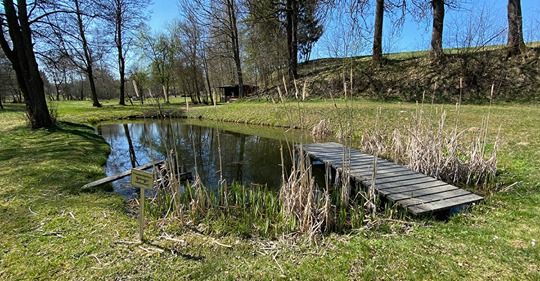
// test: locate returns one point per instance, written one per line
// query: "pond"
(249, 154)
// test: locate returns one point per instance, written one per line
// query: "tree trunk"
(292, 37)
(81, 91)
(516, 44)
(205, 62)
(88, 57)
(23, 60)
(57, 88)
(236, 46)
(120, 49)
(377, 38)
(437, 32)
(165, 93)
(139, 95)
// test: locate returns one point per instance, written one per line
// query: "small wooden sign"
(142, 179)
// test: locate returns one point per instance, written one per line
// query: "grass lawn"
(50, 230)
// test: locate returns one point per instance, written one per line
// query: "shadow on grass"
(64, 158)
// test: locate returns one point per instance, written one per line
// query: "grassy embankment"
(50, 230)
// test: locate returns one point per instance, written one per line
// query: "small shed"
(229, 92)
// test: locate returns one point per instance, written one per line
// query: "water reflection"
(248, 159)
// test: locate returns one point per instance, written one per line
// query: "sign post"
(142, 180)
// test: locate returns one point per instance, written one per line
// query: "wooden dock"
(416, 192)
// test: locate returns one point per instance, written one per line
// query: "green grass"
(50, 230)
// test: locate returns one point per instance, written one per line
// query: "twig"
(72, 215)
(172, 239)
(222, 245)
(280, 268)
(155, 250)
(144, 249)
(97, 259)
(127, 242)
(57, 234)
(32, 212)
(511, 186)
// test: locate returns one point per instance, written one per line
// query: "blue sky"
(338, 41)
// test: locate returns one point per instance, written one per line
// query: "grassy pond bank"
(52, 230)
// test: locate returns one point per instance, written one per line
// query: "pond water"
(249, 154)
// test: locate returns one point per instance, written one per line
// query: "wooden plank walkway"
(121, 175)
(416, 192)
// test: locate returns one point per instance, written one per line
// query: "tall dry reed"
(445, 152)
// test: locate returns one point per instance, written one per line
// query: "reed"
(460, 157)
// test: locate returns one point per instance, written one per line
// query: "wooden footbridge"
(416, 192)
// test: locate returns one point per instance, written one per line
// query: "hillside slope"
(410, 76)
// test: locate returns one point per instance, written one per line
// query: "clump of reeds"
(304, 204)
(338, 207)
(235, 208)
(456, 156)
(322, 129)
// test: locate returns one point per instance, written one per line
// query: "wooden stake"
(141, 217)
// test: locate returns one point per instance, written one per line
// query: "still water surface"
(249, 155)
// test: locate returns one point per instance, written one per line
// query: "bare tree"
(221, 16)
(516, 45)
(123, 16)
(19, 50)
(86, 61)
(157, 48)
(190, 34)
(57, 66)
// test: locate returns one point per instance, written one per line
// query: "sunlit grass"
(50, 230)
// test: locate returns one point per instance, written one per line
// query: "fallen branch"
(151, 251)
(172, 239)
(127, 242)
(508, 188)
(222, 245)
(32, 212)
(280, 268)
(97, 259)
(57, 234)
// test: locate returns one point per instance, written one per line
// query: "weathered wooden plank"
(381, 177)
(415, 176)
(381, 174)
(400, 183)
(433, 197)
(412, 188)
(380, 165)
(444, 204)
(420, 192)
(120, 175)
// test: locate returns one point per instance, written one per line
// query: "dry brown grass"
(303, 202)
(437, 149)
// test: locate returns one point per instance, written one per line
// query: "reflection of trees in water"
(131, 150)
(246, 159)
